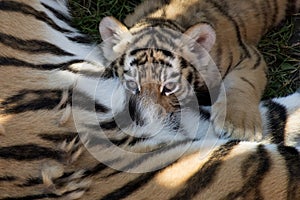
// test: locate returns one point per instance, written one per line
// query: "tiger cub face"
(158, 64)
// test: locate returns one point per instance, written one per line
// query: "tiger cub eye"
(132, 86)
(170, 88)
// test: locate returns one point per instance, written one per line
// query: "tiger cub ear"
(203, 34)
(115, 37)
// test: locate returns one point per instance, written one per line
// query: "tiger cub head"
(159, 62)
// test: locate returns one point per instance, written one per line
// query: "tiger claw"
(229, 122)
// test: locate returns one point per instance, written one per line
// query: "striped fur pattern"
(164, 55)
(58, 137)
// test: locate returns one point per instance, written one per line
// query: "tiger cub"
(163, 56)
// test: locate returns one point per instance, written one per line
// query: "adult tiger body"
(44, 62)
(228, 30)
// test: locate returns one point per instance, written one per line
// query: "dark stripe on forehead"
(153, 36)
(184, 63)
(13, 6)
(163, 51)
(32, 46)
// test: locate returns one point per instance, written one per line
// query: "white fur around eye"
(131, 85)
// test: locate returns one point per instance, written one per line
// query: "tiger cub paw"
(237, 121)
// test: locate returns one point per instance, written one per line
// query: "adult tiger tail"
(164, 55)
(53, 146)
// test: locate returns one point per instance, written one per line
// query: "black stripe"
(95, 170)
(39, 99)
(108, 73)
(205, 176)
(13, 6)
(259, 59)
(204, 96)
(205, 115)
(29, 152)
(277, 116)
(292, 162)
(32, 197)
(32, 46)
(84, 39)
(183, 63)
(218, 56)
(134, 111)
(166, 148)
(63, 17)
(238, 66)
(9, 61)
(156, 36)
(31, 182)
(58, 137)
(234, 23)
(119, 142)
(108, 125)
(190, 77)
(101, 108)
(89, 172)
(7, 178)
(162, 63)
(248, 82)
(163, 51)
(230, 56)
(84, 101)
(130, 187)
(259, 163)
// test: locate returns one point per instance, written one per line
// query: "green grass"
(88, 13)
(282, 57)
